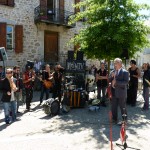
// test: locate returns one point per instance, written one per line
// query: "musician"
(46, 79)
(19, 85)
(57, 76)
(28, 80)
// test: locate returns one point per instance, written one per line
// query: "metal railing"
(52, 16)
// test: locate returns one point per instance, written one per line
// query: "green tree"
(111, 26)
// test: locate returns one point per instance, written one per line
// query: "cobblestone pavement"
(80, 129)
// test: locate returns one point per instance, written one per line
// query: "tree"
(111, 27)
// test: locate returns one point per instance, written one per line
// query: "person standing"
(28, 81)
(8, 96)
(37, 65)
(19, 85)
(134, 74)
(146, 85)
(119, 79)
(101, 80)
(57, 76)
(46, 82)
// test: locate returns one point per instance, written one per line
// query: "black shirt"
(103, 82)
(147, 77)
(45, 75)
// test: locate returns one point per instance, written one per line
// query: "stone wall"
(33, 35)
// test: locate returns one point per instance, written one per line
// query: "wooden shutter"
(10, 3)
(18, 38)
(61, 4)
(3, 33)
(61, 12)
(43, 3)
(3, 2)
(77, 9)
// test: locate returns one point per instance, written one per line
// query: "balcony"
(53, 16)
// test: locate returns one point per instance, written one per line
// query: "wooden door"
(50, 46)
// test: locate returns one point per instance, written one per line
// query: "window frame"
(12, 37)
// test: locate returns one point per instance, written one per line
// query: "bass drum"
(51, 107)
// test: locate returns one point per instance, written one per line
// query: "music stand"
(124, 143)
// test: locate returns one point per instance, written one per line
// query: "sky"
(144, 2)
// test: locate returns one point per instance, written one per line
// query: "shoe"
(40, 103)
(7, 123)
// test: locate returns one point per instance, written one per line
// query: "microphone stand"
(124, 141)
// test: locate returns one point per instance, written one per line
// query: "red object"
(110, 117)
(122, 133)
(109, 92)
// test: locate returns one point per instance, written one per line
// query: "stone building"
(31, 29)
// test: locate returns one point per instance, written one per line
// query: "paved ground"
(79, 129)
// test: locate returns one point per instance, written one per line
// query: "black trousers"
(29, 96)
(132, 93)
(115, 103)
(57, 92)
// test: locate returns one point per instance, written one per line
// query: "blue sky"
(143, 1)
(146, 2)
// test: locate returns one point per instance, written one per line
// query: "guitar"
(48, 84)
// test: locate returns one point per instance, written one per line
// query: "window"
(9, 37)
(7, 3)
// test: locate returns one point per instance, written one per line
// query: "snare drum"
(51, 107)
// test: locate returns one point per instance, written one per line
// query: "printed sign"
(75, 66)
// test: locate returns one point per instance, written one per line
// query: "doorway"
(50, 46)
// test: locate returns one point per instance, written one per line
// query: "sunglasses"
(8, 72)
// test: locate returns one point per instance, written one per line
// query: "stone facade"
(33, 34)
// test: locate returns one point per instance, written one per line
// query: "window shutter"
(3, 34)
(18, 38)
(61, 4)
(43, 3)
(3, 2)
(10, 2)
(77, 9)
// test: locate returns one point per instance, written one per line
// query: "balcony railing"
(52, 16)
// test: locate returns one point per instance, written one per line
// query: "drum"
(74, 98)
(51, 106)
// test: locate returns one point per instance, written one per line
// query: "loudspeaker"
(70, 55)
(3, 54)
(79, 55)
(125, 53)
